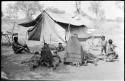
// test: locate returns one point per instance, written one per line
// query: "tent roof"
(67, 18)
(62, 18)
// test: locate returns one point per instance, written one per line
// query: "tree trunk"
(28, 16)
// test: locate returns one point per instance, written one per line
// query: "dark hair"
(60, 43)
(110, 41)
(15, 39)
(103, 36)
(36, 52)
(45, 43)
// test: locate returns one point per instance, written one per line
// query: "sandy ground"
(16, 71)
(104, 71)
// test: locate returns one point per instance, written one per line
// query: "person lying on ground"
(18, 48)
(90, 58)
(35, 61)
(111, 54)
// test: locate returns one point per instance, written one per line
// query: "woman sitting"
(46, 56)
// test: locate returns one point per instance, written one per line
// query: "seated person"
(111, 54)
(60, 47)
(46, 55)
(18, 48)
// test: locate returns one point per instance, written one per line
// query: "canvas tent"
(54, 28)
(74, 50)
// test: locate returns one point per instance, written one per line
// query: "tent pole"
(50, 38)
(26, 38)
(43, 39)
(69, 29)
(65, 35)
(13, 27)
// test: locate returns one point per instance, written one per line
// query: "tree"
(120, 5)
(78, 7)
(28, 7)
(95, 7)
(55, 10)
(12, 15)
(11, 12)
(78, 11)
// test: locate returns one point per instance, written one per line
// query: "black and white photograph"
(62, 40)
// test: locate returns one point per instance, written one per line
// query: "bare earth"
(104, 71)
(16, 71)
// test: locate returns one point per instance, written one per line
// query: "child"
(103, 44)
(111, 54)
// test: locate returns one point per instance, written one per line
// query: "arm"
(17, 45)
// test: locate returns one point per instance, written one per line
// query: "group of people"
(108, 49)
(47, 58)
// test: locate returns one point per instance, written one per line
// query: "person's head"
(36, 53)
(110, 41)
(45, 45)
(103, 37)
(15, 39)
(60, 44)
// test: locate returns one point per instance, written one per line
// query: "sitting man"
(60, 47)
(111, 54)
(46, 56)
(18, 48)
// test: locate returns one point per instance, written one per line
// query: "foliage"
(78, 7)
(120, 5)
(55, 10)
(11, 12)
(28, 7)
(95, 7)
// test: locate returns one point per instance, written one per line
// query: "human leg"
(19, 50)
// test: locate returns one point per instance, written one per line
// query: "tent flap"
(31, 23)
(65, 25)
(35, 33)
